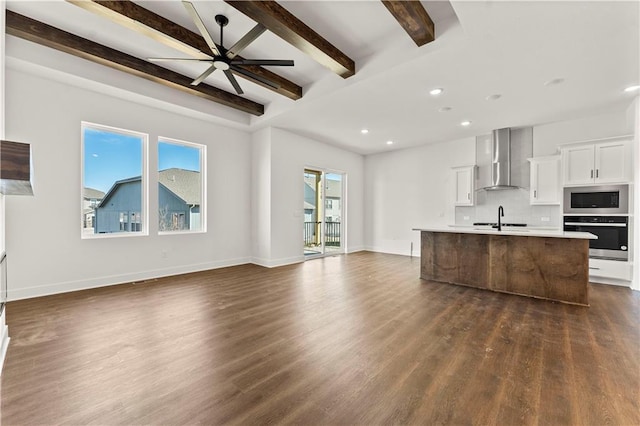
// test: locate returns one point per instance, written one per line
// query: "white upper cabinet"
(603, 162)
(612, 162)
(545, 180)
(463, 179)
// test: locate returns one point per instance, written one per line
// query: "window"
(181, 186)
(114, 184)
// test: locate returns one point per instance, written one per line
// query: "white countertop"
(520, 232)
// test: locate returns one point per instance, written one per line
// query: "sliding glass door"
(323, 231)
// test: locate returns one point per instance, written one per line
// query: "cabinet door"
(545, 180)
(611, 162)
(578, 165)
(464, 186)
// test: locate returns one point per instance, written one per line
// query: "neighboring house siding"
(126, 198)
(172, 206)
(310, 212)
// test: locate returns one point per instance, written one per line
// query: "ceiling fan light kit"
(225, 59)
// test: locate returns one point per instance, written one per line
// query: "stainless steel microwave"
(602, 199)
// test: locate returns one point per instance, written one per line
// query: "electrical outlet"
(465, 218)
(545, 219)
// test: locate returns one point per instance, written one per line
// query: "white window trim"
(203, 187)
(144, 214)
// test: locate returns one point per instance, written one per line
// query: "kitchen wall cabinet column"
(545, 180)
(463, 178)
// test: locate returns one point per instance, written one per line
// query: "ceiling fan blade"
(204, 75)
(233, 82)
(274, 62)
(245, 41)
(177, 59)
(191, 10)
(253, 76)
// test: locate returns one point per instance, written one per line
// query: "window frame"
(144, 213)
(203, 186)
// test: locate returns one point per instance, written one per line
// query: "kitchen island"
(545, 264)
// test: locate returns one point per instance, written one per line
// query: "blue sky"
(180, 156)
(109, 157)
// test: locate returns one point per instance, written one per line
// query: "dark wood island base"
(543, 267)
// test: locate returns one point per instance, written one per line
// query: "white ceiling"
(482, 48)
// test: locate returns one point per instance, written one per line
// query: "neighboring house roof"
(115, 186)
(184, 183)
(92, 194)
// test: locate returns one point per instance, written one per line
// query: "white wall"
(4, 330)
(408, 189)
(279, 159)
(634, 119)
(43, 234)
(289, 156)
(547, 137)
(261, 196)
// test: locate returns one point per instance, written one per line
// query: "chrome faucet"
(500, 214)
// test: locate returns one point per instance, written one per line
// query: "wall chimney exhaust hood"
(502, 159)
(15, 168)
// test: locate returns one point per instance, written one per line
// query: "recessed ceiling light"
(554, 82)
(436, 91)
(632, 88)
(364, 131)
(493, 97)
(389, 142)
(465, 123)
(444, 109)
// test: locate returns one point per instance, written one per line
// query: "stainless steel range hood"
(502, 159)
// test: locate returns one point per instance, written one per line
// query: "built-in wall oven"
(612, 233)
(603, 211)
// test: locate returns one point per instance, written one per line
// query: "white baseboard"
(355, 249)
(391, 251)
(609, 281)
(271, 263)
(66, 287)
(5, 340)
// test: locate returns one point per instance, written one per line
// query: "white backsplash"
(516, 209)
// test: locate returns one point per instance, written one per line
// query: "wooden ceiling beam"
(413, 17)
(143, 21)
(285, 25)
(46, 35)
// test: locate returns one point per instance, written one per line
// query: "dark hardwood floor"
(356, 339)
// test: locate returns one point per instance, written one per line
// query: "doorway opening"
(324, 228)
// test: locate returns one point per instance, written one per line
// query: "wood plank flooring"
(355, 339)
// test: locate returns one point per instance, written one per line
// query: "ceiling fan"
(226, 59)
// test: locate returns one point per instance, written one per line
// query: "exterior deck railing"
(331, 234)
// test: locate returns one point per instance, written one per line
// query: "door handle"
(468, 196)
(593, 267)
(535, 193)
(591, 173)
(597, 172)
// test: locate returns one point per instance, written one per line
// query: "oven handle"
(615, 225)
